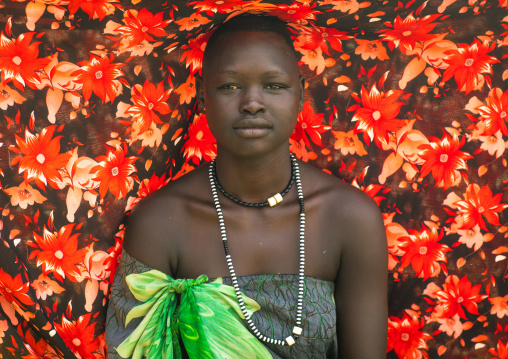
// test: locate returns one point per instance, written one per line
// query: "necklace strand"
(272, 201)
(297, 329)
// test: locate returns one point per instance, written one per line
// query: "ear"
(200, 96)
(302, 91)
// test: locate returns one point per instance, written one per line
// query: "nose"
(252, 102)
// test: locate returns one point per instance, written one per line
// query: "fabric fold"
(207, 318)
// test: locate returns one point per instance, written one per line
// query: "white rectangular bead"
(297, 330)
(290, 340)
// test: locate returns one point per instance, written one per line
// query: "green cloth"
(207, 319)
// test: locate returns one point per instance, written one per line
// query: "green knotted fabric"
(208, 319)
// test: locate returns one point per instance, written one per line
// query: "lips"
(252, 128)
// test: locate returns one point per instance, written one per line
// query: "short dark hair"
(254, 23)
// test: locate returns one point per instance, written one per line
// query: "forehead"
(250, 50)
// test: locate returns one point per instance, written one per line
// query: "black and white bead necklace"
(297, 329)
(272, 201)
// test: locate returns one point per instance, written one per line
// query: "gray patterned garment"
(275, 293)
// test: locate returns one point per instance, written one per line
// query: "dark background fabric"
(406, 100)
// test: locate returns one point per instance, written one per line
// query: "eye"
(275, 87)
(229, 87)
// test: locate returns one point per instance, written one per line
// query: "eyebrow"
(267, 73)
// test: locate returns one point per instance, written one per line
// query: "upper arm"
(361, 285)
(146, 237)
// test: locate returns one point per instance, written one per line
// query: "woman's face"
(252, 93)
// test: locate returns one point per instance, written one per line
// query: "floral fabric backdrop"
(406, 100)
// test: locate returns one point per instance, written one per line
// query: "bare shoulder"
(157, 223)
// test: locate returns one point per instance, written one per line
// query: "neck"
(254, 179)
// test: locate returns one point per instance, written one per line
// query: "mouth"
(252, 128)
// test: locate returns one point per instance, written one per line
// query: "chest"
(259, 244)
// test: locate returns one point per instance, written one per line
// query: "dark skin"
(252, 92)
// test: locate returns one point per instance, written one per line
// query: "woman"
(257, 255)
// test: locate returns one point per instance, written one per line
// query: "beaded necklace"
(272, 201)
(297, 329)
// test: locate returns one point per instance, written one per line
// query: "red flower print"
(98, 76)
(221, 6)
(467, 63)
(200, 143)
(371, 49)
(457, 295)
(142, 25)
(444, 159)
(78, 336)
(295, 13)
(147, 100)
(194, 55)
(13, 289)
(309, 124)
(424, 252)
(94, 8)
(42, 158)
(114, 172)
(377, 116)
(311, 38)
(405, 337)
(19, 61)
(58, 253)
(146, 187)
(495, 113)
(501, 351)
(478, 203)
(406, 33)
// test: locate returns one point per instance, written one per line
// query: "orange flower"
(45, 287)
(300, 150)
(19, 61)
(78, 336)
(424, 252)
(444, 159)
(200, 143)
(24, 195)
(495, 113)
(189, 23)
(114, 172)
(13, 289)
(451, 326)
(405, 337)
(94, 8)
(349, 6)
(58, 253)
(457, 295)
(42, 159)
(98, 76)
(314, 59)
(467, 63)
(348, 143)
(147, 100)
(472, 237)
(406, 33)
(309, 124)
(146, 187)
(187, 90)
(499, 306)
(141, 25)
(377, 116)
(479, 203)
(9, 97)
(371, 49)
